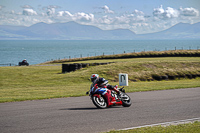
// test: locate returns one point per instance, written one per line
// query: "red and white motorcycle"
(103, 97)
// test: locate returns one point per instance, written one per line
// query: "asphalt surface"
(78, 114)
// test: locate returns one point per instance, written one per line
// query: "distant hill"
(65, 31)
(178, 31)
(75, 31)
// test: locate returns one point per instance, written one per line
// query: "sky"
(139, 16)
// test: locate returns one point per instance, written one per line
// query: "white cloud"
(171, 13)
(165, 14)
(129, 18)
(29, 12)
(64, 13)
(175, 13)
(27, 6)
(105, 20)
(81, 16)
(138, 12)
(189, 11)
(158, 11)
(107, 10)
(50, 11)
(124, 19)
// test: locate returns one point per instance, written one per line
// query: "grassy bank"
(148, 54)
(181, 128)
(43, 82)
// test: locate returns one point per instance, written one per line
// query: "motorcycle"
(23, 63)
(103, 98)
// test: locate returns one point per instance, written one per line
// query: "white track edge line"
(165, 123)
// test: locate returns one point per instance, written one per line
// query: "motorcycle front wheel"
(126, 100)
(99, 101)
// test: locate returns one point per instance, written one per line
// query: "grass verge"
(181, 128)
(43, 82)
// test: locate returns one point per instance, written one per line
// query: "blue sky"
(140, 16)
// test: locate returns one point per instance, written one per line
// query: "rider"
(24, 61)
(101, 82)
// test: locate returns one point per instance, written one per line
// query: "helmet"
(94, 78)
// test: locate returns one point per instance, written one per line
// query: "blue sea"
(45, 50)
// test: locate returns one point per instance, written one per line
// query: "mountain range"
(75, 31)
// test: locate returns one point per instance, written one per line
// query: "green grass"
(181, 128)
(43, 82)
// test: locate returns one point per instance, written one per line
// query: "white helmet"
(94, 78)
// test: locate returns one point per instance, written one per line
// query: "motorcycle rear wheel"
(126, 100)
(99, 102)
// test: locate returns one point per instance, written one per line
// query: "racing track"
(78, 114)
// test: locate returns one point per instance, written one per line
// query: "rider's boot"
(116, 90)
(118, 93)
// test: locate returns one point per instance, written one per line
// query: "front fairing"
(101, 91)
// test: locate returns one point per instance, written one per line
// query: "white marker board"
(123, 79)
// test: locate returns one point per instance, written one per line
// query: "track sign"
(123, 79)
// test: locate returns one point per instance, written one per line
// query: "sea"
(39, 51)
